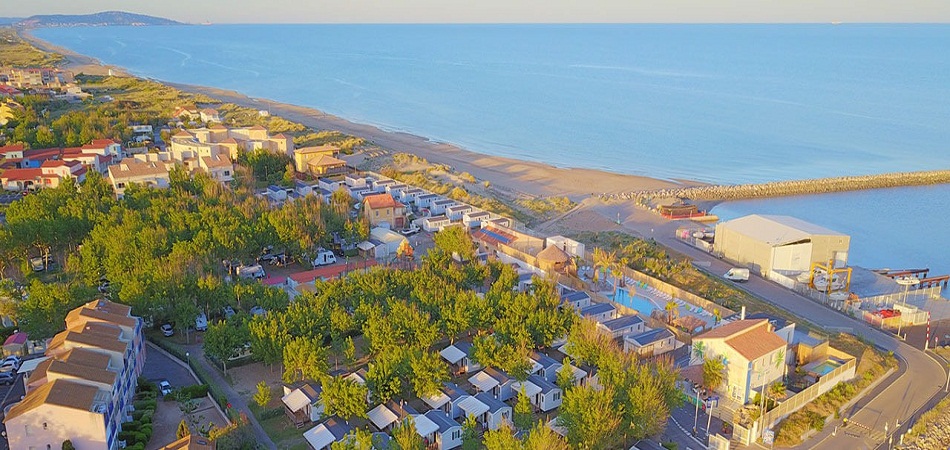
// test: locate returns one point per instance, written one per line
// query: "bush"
(145, 404)
(271, 413)
(191, 392)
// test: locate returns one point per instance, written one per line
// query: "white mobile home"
(329, 185)
(354, 181)
(549, 366)
(498, 414)
(425, 200)
(653, 342)
(575, 299)
(599, 312)
(549, 395)
(459, 355)
(449, 434)
(437, 223)
(381, 185)
(456, 212)
(495, 382)
(474, 218)
(439, 206)
(448, 400)
(622, 325)
(396, 190)
(409, 195)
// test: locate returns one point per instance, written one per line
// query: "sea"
(715, 103)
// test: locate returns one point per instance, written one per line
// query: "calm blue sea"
(719, 103)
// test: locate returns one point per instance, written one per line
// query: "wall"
(825, 384)
(743, 250)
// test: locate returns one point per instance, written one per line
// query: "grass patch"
(16, 52)
(278, 426)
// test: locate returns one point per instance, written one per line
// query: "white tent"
(436, 401)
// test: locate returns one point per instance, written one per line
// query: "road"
(8, 396)
(899, 401)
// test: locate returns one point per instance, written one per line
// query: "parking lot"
(160, 367)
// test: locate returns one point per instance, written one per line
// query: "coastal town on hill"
(180, 270)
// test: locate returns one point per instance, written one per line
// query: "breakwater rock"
(788, 188)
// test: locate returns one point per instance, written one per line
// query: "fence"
(674, 291)
(798, 401)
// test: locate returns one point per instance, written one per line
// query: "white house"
(382, 417)
(329, 185)
(570, 246)
(649, 343)
(622, 325)
(599, 312)
(396, 190)
(390, 240)
(754, 355)
(322, 436)
(424, 200)
(494, 382)
(409, 195)
(302, 403)
(449, 434)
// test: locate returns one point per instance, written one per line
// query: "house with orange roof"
(754, 356)
(384, 210)
(209, 115)
(188, 112)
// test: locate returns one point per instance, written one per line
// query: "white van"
(738, 275)
(324, 258)
(254, 271)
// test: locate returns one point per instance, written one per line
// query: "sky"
(502, 11)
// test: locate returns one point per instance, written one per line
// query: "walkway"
(238, 404)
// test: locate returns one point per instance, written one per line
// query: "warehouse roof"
(777, 230)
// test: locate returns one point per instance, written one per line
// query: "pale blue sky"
(583, 11)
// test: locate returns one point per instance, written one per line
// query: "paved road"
(8, 396)
(159, 366)
(900, 400)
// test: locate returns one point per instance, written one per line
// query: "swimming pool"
(641, 304)
(826, 367)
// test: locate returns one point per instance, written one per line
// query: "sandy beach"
(516, 176)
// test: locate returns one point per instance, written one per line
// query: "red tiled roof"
(41, 153)
(16, 338)
(11, 147)
(22, 174)
(258, 128)
(750, 338)
(329, 271)
(100, 143)
(378, 201)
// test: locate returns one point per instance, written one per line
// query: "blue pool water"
(643, 305)
(826, 367)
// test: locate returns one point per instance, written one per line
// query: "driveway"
(160, 367)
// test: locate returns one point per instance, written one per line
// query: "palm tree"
(777, 390)
(699, 349)
(672, 309)
(714, 372)
(603, 260)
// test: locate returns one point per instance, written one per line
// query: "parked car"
(255, 271)
(7, 378)
(40, 264)
(10, 364)
(258, 311)
(228, 312)
(201, 322)
(12, 359)
(167, 330)
(411, 230)
(165, 387)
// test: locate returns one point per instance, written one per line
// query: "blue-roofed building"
(498, 413)
(649, 343)
(302, 187)
(449, 435)
(623, 325)
(575, 299)
(322, 437)
(549, 395)
(459, 355)
(549, 366)
(599, 312)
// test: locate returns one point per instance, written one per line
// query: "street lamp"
(188, 358)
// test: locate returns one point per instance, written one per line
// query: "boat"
(907, 280)
(699, 235)
(838, 296)
(836, 22)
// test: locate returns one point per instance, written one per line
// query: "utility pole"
(709, 413)
(696, 417)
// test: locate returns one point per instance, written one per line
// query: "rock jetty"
(788, 188)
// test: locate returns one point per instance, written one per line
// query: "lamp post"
(188, 358)
(696, 417)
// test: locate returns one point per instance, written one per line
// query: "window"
(227, 173)
(377, 213)
(456, 434)
(120, 185)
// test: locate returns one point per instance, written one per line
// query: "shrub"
(192, 392)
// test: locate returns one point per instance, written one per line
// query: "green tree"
(305, 359)
(384, 377)
(263, 395)
(183, 430)
(501, 439)
(455, 241)
(714, 372)
(349, 350)
(565, 375)
(222, 339)
(590, 418)
(42, 313)
(428, 372)
(344, 398)
(68, 445)
(470, 439)
(405, 436)
(541, 437)
(358, 439)
(523, 410)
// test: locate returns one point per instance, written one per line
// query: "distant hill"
(102, 19)
(6, 21)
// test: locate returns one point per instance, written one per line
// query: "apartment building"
(84, 390)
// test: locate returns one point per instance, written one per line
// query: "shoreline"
(520, 177)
